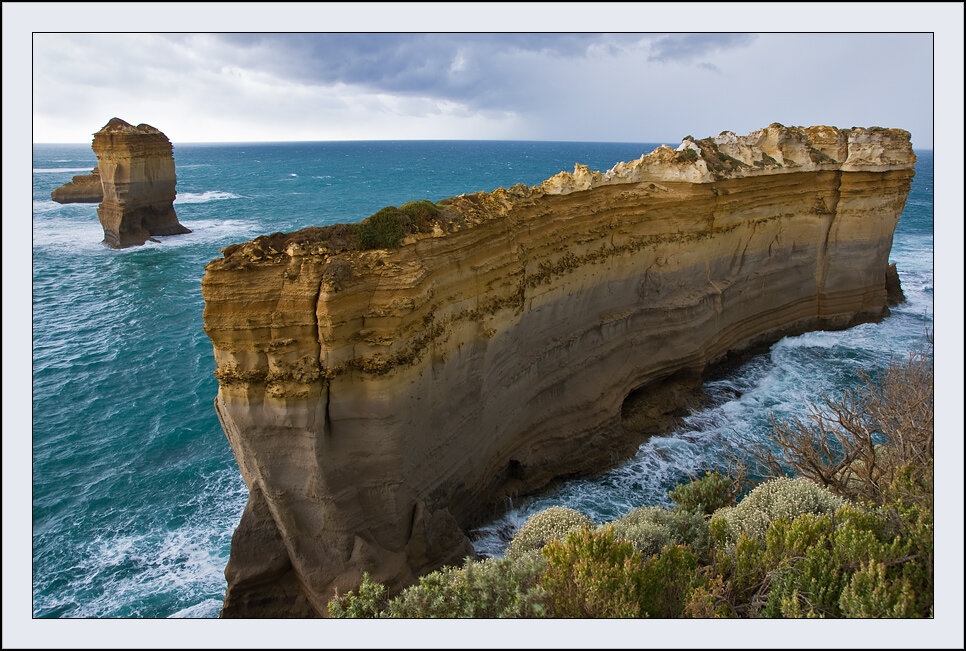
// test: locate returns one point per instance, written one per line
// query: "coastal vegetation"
(838, 523)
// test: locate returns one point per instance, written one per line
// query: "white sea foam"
(76, 233)
(205, 197)
(209, 608)
(184, 565)
(46, 206)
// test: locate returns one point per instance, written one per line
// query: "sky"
(619, 87)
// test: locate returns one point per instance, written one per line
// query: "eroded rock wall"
(379, 401)
(136, 167)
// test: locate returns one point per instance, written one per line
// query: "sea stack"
(83, 188)
(136, 167)
(379, 400)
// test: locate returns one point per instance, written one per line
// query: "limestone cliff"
(136, 166)
(377, 400)
(83, 188)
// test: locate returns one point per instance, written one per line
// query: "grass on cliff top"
(383, 230)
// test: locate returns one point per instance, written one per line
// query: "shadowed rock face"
(379, 401)
(83, 188)
(136, 167)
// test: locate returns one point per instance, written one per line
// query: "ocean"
(135, 492)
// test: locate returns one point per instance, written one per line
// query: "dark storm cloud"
(479, 70)
(685, 47)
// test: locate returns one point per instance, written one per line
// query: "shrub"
(383, 230)
(802, 569)
(544, 526)
(367, 601)
(840, 443)
(485, 589)
(689, 155)
(590, 574)
(646, 536)
(667, 582)
(870, 594)
(480, 589)
(645, 528)
(777, 498)
(421, 214)
(708, 600)
(705, 495)
(854, 562)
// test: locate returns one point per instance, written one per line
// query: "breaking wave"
(205, 197)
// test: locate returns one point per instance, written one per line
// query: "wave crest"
(204, 197)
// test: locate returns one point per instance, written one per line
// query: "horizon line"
(289, 142)
(282, 142)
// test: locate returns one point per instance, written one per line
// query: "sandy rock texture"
(378, 402)
(83, 188)
(136, 167)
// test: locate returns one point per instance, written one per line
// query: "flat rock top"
(117, 125)
(776, 149)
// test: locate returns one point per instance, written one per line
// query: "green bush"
(870, 594)
(645, 527)
(668, 580)
(647, 537)
(366, 602)
(384, 230)
(544, 526)
(777, 498)
(590, 574)
(480, 589)
(486, 589)
(853, 562)
(705, 495)
(421, 214)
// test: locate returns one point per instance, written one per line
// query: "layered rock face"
(136, 167)
(378, 401)
(83, 188)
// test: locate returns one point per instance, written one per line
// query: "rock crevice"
(379, 401)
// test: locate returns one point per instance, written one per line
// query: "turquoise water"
(135, 490)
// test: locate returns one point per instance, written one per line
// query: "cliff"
(83, 188)
(378, 400)
(136, 167)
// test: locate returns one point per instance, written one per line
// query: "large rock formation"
(136, 167)
(378, 401)
(83, 188)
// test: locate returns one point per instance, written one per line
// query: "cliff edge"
(383, 383)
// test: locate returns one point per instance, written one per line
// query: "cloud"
(474, 69)
(625, 87)
(686, 47)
